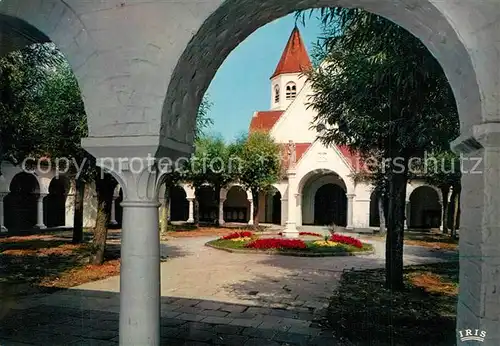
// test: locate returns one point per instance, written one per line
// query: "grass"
(366, 313)
(311, 247)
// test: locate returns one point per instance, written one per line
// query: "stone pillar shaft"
(291, 223)
(221, 212)
(191, 210)
(251, 210)
(407, 215)
(350, 211)
(113, 212)
(39, 215)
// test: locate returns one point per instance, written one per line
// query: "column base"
(222, 222)
(250, 223)
(3, 229)
(190, 221)
(113, 223)
(40, 227)
(290, 230)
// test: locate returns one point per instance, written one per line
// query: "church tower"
(288, 79)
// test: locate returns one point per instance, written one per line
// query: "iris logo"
(472, 335)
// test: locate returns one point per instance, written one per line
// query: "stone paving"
(209, 297)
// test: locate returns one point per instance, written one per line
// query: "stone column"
(39, 218)
(478, 300)
(140, 251)
(250, 217)
(113, 212)
(2, 220)
(221, 212)
(407, 215)
(191, 210)
(291, 223)
(350, 211)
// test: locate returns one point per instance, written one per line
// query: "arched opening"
(291, 91)
(207, 207)
(20, 205)
(55, 203)
(324, 199)
(425, 209)
(330, 206)
(179, 205)
(236, 205)
(270, 204)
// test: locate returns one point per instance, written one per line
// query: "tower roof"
(294, 58)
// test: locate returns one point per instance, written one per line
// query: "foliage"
(203, 120)
(277, 243)
(380, 91)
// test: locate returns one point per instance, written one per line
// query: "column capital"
(351, 195)
(190, 199)
(139, 178)
(3, 195)
(485, 135)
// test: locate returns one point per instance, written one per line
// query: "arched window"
(291, 91)
(276, 94)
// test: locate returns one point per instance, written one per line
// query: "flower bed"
(276, 243)
(344, 239)
(250, 243)
(236, 235)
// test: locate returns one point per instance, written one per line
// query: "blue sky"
(241, 85)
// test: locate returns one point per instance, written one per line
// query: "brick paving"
(209, 297)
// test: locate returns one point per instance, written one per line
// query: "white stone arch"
(424, 212)
(221, 33)
(411, 187)
(315, 180)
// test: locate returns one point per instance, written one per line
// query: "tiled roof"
(264, 121)
(294, 58)
(352, 157)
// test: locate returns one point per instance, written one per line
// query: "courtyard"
(208, 297)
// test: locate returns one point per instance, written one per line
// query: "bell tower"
(288, 79)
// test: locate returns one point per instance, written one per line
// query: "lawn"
(41, 263)
(424, 314)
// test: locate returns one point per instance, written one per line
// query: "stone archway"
(236, 205)
(21, 204)
(425, 208)
(179, 205)
(55, 203)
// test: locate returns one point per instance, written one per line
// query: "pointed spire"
(294, 58)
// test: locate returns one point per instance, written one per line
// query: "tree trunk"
(104, 188)
(395, 230)
(78, 213)
(455, 195)
(256, 209)
(381, 215)
(444, 192)
(217, 189)
(164, 212)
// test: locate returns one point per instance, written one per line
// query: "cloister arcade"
(143, 68)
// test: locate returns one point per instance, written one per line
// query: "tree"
(259, 164)
(379, 88)
(211, 164)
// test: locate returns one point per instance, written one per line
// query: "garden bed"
(248, 242)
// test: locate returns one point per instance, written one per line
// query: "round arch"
(179, 205)
(20, 205)
(55, 202)
(323, 196)
(236, 205)
(425, 208)
(221, 33)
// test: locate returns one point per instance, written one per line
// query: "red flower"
(238, 235)
(274, 243)
(343, 239)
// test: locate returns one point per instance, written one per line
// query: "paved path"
(209, 297)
